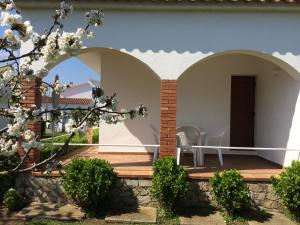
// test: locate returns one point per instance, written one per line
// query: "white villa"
(77, 96)
(214, 64)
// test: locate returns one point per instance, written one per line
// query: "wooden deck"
(138, 165)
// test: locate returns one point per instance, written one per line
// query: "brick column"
(167, 118)
(32, 97)
(89, 135)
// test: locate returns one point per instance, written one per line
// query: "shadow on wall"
(134, 84)
(204, 93)
(201, 31)
(188, 31)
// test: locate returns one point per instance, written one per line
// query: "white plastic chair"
(214, 140)
(187, 136)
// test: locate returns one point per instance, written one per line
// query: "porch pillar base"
(167, 118)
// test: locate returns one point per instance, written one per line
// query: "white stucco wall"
(134, 84)
(204, 100)
(79, 91)
(170, 41)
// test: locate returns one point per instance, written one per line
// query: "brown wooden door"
(242, 111)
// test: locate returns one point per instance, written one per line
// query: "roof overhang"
(179, 5)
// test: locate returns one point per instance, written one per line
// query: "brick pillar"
(89, 134)
(32, 97)
(167, 118)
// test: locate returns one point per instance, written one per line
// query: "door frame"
(254, 105)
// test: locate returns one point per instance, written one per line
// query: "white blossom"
(13, 40)
(82, 130)
(33, 144)
(7, 5)
(35, 37)
(18, 126)
(6, 145)
(8, 33)
(70, 125)
(44, 88)
(8, 75)
(15, 147)
(59, 88)
(51, 50)
(26, 31)
(10, 6)
(94, 17)
(70, 42)
(8, 18)
(29, 135)
(41, 73)
(65, 10)
(27, 71)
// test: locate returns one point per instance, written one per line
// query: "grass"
(48, 147)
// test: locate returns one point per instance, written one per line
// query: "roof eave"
(175, 6)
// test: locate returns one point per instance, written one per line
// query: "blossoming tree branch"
(17, 67)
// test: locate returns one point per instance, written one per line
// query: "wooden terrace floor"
(138, 165)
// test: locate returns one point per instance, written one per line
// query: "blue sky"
(72, 70)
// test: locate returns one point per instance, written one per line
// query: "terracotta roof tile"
(70, 101)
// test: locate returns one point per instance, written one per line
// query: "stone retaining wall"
(136, 192)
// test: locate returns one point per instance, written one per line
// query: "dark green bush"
(230, 191)
(169, 183)
(13, 201)
(287, 186)
(6, 182)
(89, 182)
(9, 160)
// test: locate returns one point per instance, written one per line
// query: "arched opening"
(205, 97)
(134, 83)
(79, 95)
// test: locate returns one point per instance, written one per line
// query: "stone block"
(144, 200)
(145, 183)
(144, 192)
(132, 183)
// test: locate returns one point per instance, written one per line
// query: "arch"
(99, 50)
(277, 93)
(135, 83)
(270, 58)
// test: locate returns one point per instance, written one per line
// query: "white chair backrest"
(221, 134)
(191, 133)
(182, 139)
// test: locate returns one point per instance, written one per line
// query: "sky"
(72, 70)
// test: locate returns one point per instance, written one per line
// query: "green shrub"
(13, 201)
(89, 182)
(230, 191)
(6, 182)
(169, 183)
(9, 160)
(287, 186)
